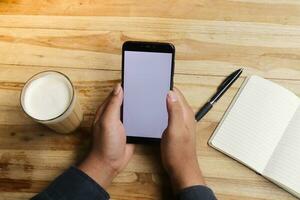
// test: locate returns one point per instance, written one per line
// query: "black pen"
(220, 91)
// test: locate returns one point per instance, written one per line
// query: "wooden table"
(82, 38)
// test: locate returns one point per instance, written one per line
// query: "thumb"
(112, 110)
(129, 150)
(174, 110)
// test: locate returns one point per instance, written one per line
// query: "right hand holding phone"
(178, 145)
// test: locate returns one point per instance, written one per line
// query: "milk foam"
(47, 97)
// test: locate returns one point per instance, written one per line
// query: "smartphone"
(147, 77)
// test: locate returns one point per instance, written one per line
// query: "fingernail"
(117, 89)
(172, 96)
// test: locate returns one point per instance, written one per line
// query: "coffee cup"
(49, 98)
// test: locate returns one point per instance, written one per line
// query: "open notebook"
(261, 129)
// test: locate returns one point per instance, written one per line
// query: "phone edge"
(145, 140)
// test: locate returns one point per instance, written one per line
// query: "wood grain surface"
(83, 38)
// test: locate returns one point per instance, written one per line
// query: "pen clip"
(225, 81)
(229, 78)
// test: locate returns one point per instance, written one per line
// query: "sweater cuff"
(196, 192)
(98, 189)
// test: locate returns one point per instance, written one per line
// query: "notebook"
(261, 129)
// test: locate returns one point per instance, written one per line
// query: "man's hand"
(110, 153)
(178, 147)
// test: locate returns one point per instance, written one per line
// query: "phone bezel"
(147, 47)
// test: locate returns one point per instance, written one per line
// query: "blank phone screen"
(146, 82)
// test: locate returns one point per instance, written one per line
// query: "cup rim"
(38, 74)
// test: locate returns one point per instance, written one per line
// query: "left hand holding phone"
(109, 153)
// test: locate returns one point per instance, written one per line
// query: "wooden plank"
(33, 151)
(94, 85)
(16, 195)
(284, 12)
(202, 47)
(45, 165)
(41, 166)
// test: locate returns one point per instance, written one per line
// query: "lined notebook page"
(284, 165)
(255, 122)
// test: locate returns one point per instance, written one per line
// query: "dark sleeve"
(197, 192)
(73, 184)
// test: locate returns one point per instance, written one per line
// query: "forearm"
(189, 175)
(189, 184)
(73, 184)
(99, 170)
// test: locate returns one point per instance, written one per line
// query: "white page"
(255, 123)
(284, 165)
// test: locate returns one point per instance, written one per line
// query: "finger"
(112, 110)
(101, 108)
(129, 150)
(175, 111)
(184, 102)
(188, 112)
